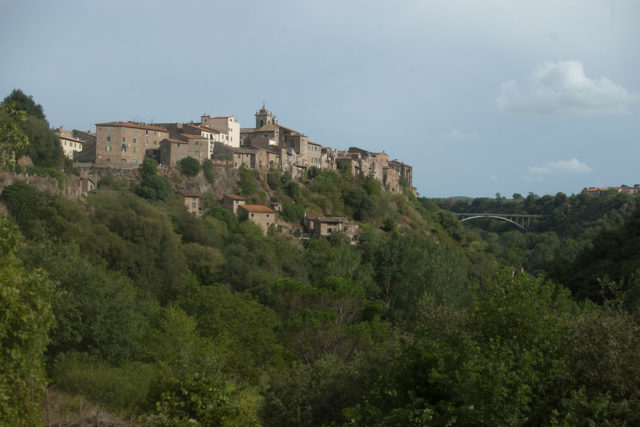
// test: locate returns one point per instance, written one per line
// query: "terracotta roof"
(256, 208)
(315, 216)
(188, 193)
(274, 126)
(203, 128)
(233, 196)
(314, 143)
(70, 139)
(191, 136)
(133, 125)
(248, 150)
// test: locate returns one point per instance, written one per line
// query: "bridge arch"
(496, 217)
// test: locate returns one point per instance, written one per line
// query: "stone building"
(126, 143)
(191, 201)
(232, 202)
(173, 150)
(227, 126)
(260, 215)
(293, 150)
(69, 143)
(322, 226)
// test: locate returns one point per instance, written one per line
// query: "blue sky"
(479, 96)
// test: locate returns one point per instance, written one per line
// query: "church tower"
(264, 117)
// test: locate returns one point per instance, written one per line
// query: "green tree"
(358, 199)
(12, 138)
(25, 318)
(44, 147)
(153, 186)
(207, 169)
(189, 166)
(25, 103)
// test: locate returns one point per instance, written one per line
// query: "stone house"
(69, 143)
(227, 126)
(173, 150)
(126, 143)
(232, 202)
(322, 226)
(191, 201)
(260, 215)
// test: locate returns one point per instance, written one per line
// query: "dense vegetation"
(126, 299)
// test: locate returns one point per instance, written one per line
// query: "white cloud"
(573, 166)
(563, 88)
(461, 136)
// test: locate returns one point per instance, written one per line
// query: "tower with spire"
(265, 117)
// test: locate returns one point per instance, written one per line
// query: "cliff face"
(71, 188)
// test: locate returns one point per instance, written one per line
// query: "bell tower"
(264, 117)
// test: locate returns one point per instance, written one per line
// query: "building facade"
(228, 127)
(126, 143)
(70, 144)
(260, 215)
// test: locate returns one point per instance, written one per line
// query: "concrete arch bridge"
(521, 221)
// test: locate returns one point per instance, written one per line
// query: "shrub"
(189, 166)
(207, 169)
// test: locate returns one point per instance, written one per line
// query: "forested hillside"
(168, 317)
(154, 316)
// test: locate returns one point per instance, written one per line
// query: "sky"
(480, 97)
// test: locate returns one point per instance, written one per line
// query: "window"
(196, 152)
(123, 139)
(146, 132)
(124, 148)
(146, 142)
(134, 161)
(134, 149)
(155, 142)
(108, 138)
(134, 140)
(124, 161)
(193, 205)
(196, 142)
(107, 148)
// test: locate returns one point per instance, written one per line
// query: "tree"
(189, 166)
(25, 102)
(25, 318)
(359, 201)
(207, 169)
(44, 147)
(153, 186)
(12, 138)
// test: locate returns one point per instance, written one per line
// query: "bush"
(153, 186)
(119, 388)
(274, 179)
(189, 166)
(207, 169)
(247, 182)
(292, 212)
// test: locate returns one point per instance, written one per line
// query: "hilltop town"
(269, 145)
(266, 146)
